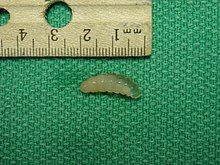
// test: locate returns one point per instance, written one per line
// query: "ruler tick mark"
(128, 46)
(103, 50)
(48, 45)
(8, 51)
(20, 51)
(71, 51)
(99, 52)
(1, 47)
(106, 51)
(58, 51)
(96, 47)
(135, 53)
(42, 51)
(119, 52)
(17, 46)
(116, 52)
(131, 51)
(112, 46)
(33, 46)
(74, 51)
(39, 50)
(89, 51)
(23, 51)
(29, 51)
(55, 51)
(77, 50)
(64, 45)
(122, 51)
(61, 50)
(93, 51)
(144, 45)
(80, 45)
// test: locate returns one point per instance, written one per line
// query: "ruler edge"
(4, 3)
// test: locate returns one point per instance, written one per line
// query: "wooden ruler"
(99, 28)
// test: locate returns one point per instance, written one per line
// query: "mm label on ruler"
(99, 28)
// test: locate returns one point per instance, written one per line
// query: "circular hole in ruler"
(4, 17)
(58, 14)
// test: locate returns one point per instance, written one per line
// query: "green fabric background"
(45, 119)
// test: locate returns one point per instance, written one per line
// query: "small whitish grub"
(111, 83)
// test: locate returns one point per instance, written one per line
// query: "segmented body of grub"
(111, 83)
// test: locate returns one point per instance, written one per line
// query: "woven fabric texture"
(45, 119)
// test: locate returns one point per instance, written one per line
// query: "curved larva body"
(112, 83)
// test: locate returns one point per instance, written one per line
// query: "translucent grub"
(111, 83)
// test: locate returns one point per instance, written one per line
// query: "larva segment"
(112, 83)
